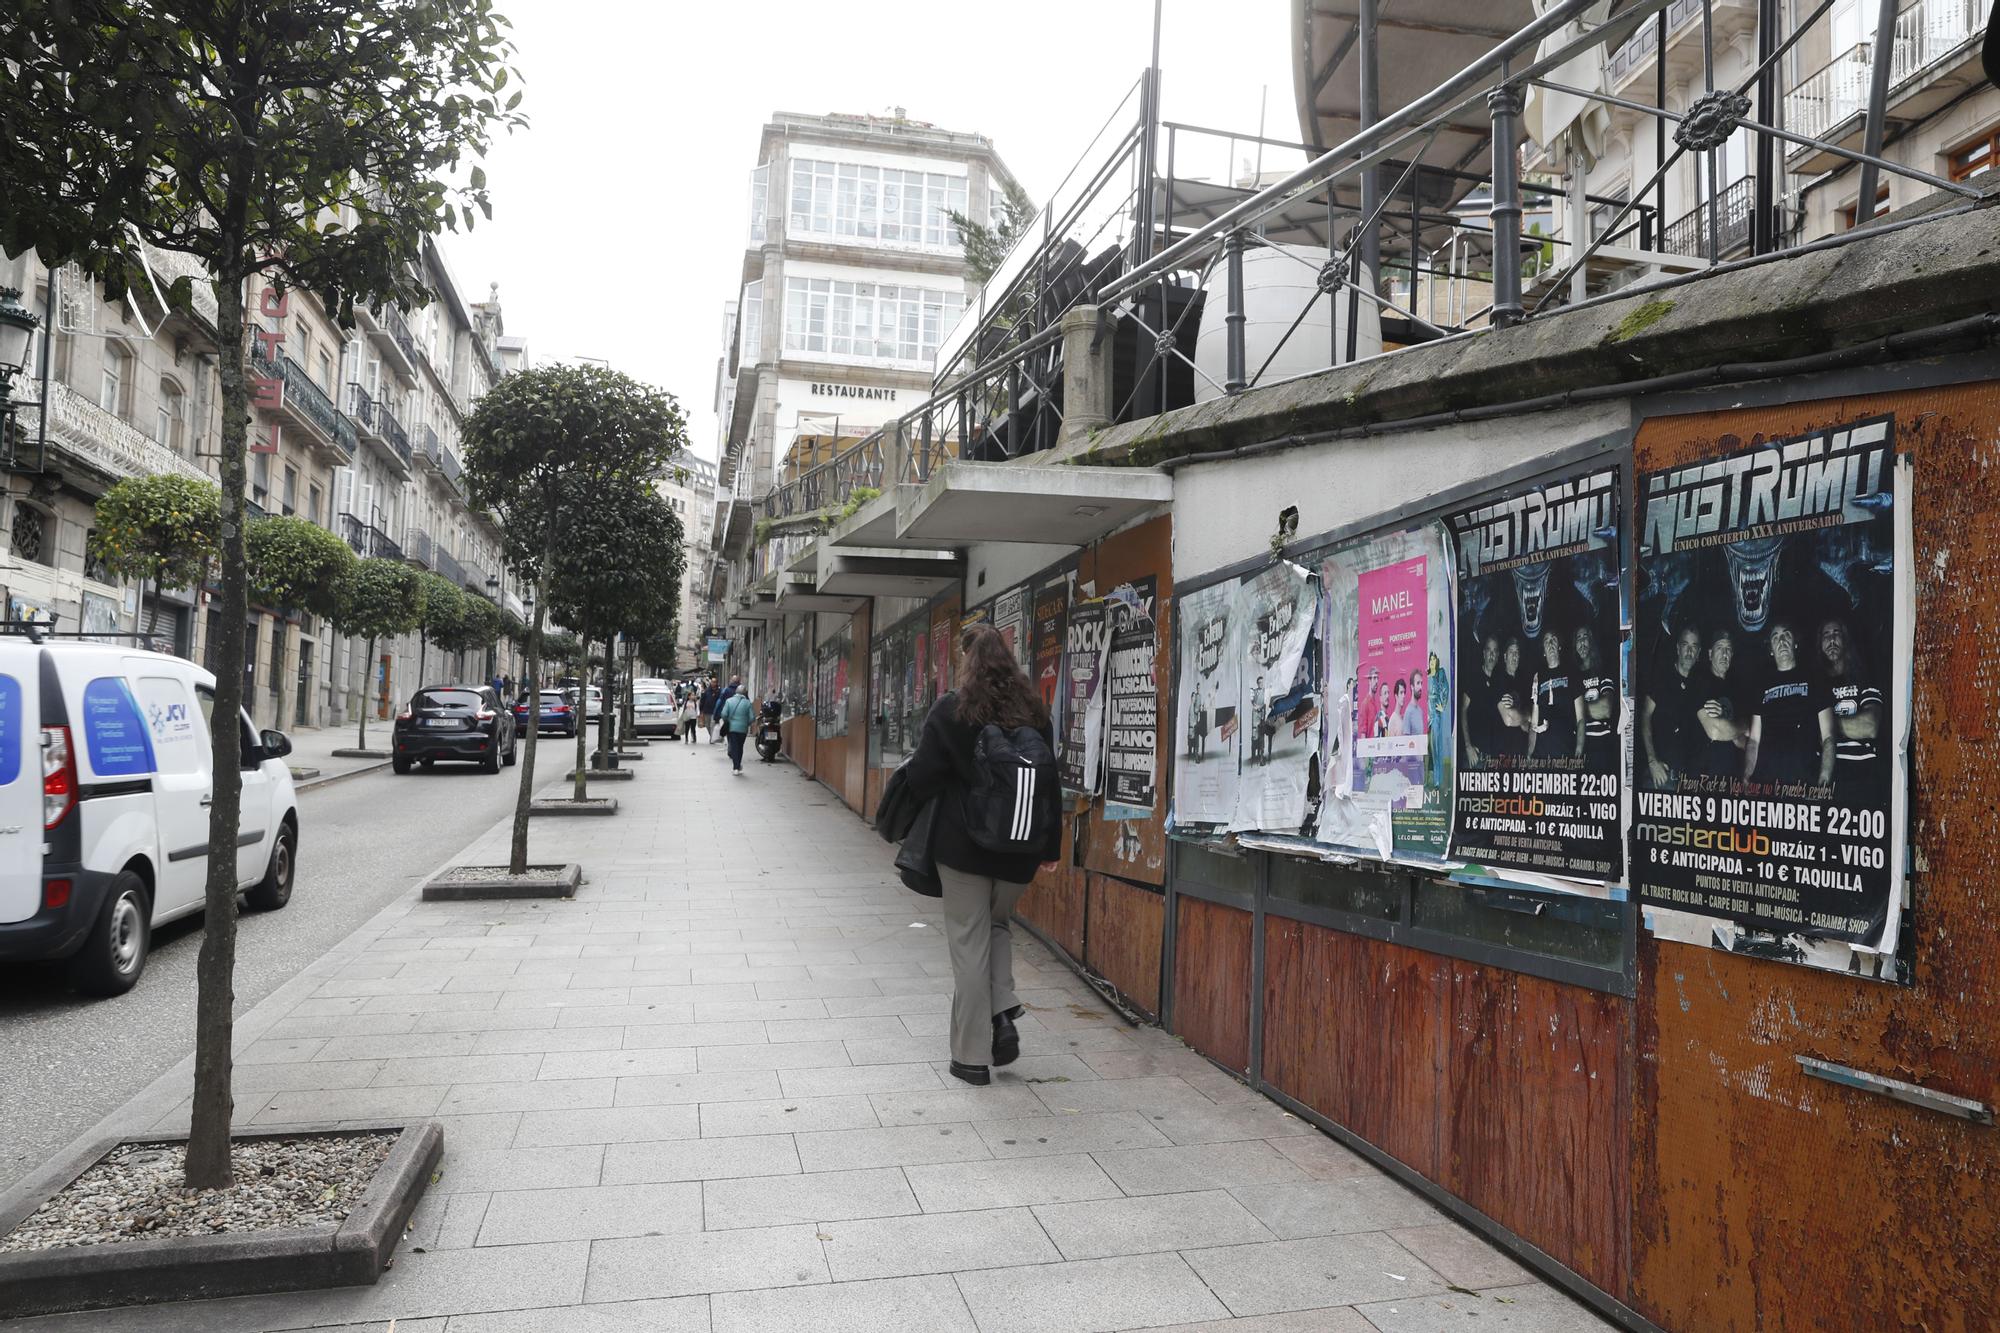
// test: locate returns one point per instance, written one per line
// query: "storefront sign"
(1540, 752)
(1772, 595)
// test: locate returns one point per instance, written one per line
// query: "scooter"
(769, 737)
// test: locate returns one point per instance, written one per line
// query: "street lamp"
(493, 585)
(17, 334)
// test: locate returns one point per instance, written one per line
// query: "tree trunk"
(583, 708)
(517, 856)
(423, 651)
(606, 730)
(367, 679)
(208, 1141)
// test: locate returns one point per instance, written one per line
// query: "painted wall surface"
(1764, 1199)
(1212, 981)
(1225, 512)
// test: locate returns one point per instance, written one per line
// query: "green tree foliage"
(986, 248)
(442, 621)
(297, 565)
(290, 143)
(482, 624)
(164, 529)
(539, 440)
(383, 598)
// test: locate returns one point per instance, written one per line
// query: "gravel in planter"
(136, 1192)
(489, 874)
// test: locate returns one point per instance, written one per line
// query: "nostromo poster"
(1766, 769)
(1538, 658)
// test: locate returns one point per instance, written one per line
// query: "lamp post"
(17, 335)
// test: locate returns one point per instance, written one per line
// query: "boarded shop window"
(1198, 867)
(1369, 893)
(1591, 931)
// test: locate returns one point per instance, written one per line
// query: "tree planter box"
(623, 757)
(602, 775)
(463, 883)
(352, 753)
(244, 1263)
(591, 805)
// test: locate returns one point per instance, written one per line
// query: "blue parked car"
(556, 713)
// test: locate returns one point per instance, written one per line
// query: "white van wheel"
(275, 889)
(114, 953)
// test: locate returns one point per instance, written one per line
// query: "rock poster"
(1051, 613)
(1010, 617)
(1273, 642)
(1540, 752)
(1132, 698)
(1768, 769)
(1082, 729)
(1385, 634)
(1207, 740)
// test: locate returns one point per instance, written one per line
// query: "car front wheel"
(114, 954)
(275, 889)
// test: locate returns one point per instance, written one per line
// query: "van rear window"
(114, 735)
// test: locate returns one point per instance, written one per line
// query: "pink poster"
(1391, 708)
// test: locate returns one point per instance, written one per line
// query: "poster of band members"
(1051, 614)
(1010, 617)
(1132, 698)
(1206, 734)
(1770, 779)
(1539, 752)
(830, 684)
(1385, 634)
(1274, 644)
(1081, 737)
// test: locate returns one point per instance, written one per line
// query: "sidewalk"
(711, 1094)
(313, 747)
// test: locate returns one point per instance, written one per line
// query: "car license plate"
(441, 722)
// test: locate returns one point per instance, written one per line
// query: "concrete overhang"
(882, 572)
(874, 524)
(798, 591)
(1041, 504)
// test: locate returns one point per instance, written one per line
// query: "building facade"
(354, 430)
(689, 486)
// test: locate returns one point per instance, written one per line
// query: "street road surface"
(66, 1062)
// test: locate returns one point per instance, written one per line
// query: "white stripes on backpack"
(1024, 803)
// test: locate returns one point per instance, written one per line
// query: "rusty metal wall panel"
(1212, 980)
(1766, 1200)
(1356, 1029)
(1123, 929)
(1537, 1076)
(1053, 904)
(1136, 849)
(800, 740)
(851, 780)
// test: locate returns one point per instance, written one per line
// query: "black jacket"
(942, 766)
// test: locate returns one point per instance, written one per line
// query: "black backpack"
(1015, 801)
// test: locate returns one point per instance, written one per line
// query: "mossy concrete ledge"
(469, 883)
(602, 774)
(590, 805)
(191, 1268)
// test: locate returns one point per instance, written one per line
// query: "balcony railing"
(446, 564)
(1689, 233)
(169, 265)
(1646, 40)
(1926, 33)
(309, 403)
(475, 577)
(418, 547)
(399, 330)
(367, 539)
(86, 430)
(393, 434)
(361, 410)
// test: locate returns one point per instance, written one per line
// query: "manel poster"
(1385, 634)
(1207, 744)
(1770, 599)
(1082, 732)
(1132, 698)
(1539, 696)
(1275, 613)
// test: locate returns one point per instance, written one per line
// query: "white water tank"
(1278, 280)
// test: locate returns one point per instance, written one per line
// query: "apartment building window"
(753, 324)
(312, 503)
(760, 201)
(326, 373)
(291, 493)
(260, 479)
(170, 417)
(1975, 158)
(864, 203)
(117, 371)
(31, 535)
(1849, 214)
(877, 321)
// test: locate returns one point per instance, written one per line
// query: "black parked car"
(455, 722)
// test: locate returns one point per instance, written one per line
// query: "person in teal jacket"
(735, 718)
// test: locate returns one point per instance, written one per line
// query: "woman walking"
(981, 886)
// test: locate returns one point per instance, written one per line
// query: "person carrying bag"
(986, 765)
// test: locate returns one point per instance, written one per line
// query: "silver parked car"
(654, 711)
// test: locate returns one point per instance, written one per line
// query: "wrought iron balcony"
(367, 540)
(361, 410)
(108, 442)
(394, 340)
(307, 404)
(446, 564)
(475, 578)
(394, 435)
(418, 547)
(1926, 33)
(1689, 233)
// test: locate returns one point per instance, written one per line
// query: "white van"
(104, 795)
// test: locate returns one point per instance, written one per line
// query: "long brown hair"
(991, 686)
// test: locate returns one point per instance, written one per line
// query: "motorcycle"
(769, 737)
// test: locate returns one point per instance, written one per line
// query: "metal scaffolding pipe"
(1504, 103)
(1233, 380)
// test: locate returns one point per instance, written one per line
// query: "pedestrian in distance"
(708, 708)
(735, 721)
(687, 713)
(722, 697)
(987, 752)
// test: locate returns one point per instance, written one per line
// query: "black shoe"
(1006, 1041)
(977, 1075)
(1015, 1012)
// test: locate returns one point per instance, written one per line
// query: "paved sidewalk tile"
(1528, 1309)
(674, 1314)
(786, 1115)
(935, 1243)
(623, 1270)
(1014, 1182)
(823, 1196)
(1148, 1224)
(894, 1305)
(903, 1145)
(516, 1217)
(700, 1159)
(1306, 1274)
(1092, 1296)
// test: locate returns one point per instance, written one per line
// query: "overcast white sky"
(619, 216)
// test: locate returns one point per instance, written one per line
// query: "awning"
(1043, 504)
(887, 572)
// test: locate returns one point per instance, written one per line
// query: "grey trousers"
(977, 910)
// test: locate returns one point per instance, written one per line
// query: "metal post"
(1233, 381)
(1764, 221)
(1660, 123)
(1013, 408)
(1579, 228)
(1504, 105)
(1878, 105)
(1366, 15)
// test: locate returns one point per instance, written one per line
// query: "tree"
(297, 565)
(482, 624)
(442, 620)
(536, 434)
(384, 598)
(163, 529)
(302, 142)
(987, 247)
